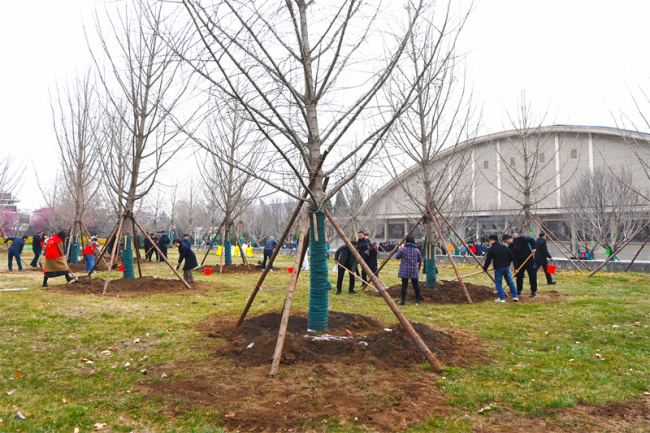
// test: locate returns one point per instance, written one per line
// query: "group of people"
(526, 254)
(347, 262)
(161, 240)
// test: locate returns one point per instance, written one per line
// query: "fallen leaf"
(164, 375)
(598, 355)
(250, 345)
(99, 425)
(143, 371)
(484, 409)
(127, 363)
(105, 353)
(137, 340)
(76, 430)
(571, 360)
(65, 400)
(20, 415)
(11, 392)
(348, 331)
(230, 415)
(17, 374)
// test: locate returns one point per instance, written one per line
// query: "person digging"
(186, 253)
(55, 265)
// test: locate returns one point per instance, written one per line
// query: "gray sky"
(577, 60)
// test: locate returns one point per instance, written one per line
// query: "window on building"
(574, 153)
(486, 165)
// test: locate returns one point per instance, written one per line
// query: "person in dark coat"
(502, 256)
(163, 242)
(345, 259)
(187, 241)
(409, 268)
(15, 250)
(147, 246)
(269, 247)
(362, 248)
(37, 247)
(542, 256)
(186, 253)
(523, 247)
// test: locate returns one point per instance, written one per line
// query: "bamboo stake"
(550, 236)
(478, 261)
(258, 286)
(164, 258)
(637, 254)
(619, 250)
(394, 250)
(242, 252)
(103, 250)
(113, 253)
(451, 259)
(223, 249)
(211, 244)
(286, 309)
(391, 304)
(137, 246)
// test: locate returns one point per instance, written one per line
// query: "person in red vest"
(55, 265)
(89, 254)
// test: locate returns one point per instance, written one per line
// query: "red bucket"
(290, 270)
(207, 271)
(550, 269)
(121, 268)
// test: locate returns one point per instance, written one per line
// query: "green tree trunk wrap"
(227, 248)
(74, 250)
(430, 257)
(127, 260)
(319, 284)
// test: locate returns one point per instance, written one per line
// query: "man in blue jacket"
(269, 247)
(502, 257)
(37, 239)
(186, 253)
(15, 250)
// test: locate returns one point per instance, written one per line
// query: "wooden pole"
(113, 253)
(637, 254)
(460, 239)
(394, 250)
(391, 304)
(258, 286)
(619, 250)
(211, 244)
(83, 226)
(241, 249)
(103, 250)
(522, 265)
(550, 236)
(286, 309)
(137, 246)
(451, 259)
(144, 233)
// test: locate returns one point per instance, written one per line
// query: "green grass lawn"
(73, 361)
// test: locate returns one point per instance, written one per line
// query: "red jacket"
(52, 249)
(90, 248)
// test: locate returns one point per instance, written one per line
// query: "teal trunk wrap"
(432, 270)
(127, 260)
(74, 250)
(227, 248)
(319, 284)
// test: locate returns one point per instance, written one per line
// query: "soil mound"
(80, 267)
(449, 292)
(368, 379)
(121, 287)
(237, 269)
(350, 339)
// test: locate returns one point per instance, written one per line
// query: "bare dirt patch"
(360, 372)
(632, 416)
(120, 287)
(451, 292)
(80, 267)
(238, 269)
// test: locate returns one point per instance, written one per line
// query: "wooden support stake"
(286, 310)
(164, 258)
(242, 252)
(223, 248)
(637, 254)
(113, 253)
(211, 244)
(391, 304)
(619, 250)
(478, 261)
(104, 249)
(394, 250)
(451, 259)
(550, 236)
(137, 246)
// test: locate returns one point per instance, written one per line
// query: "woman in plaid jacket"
(409, 268)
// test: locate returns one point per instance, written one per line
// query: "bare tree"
(75, 110)
(529, 159)
(440, 118)
(602, 210)
(143, 87)
(230, 160)
(294, 67)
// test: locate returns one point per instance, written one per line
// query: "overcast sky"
(578, 60)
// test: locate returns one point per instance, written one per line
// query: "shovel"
(464, 276)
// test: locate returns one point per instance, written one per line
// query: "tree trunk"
(318, 278)
(430, 257)
(227, 244)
